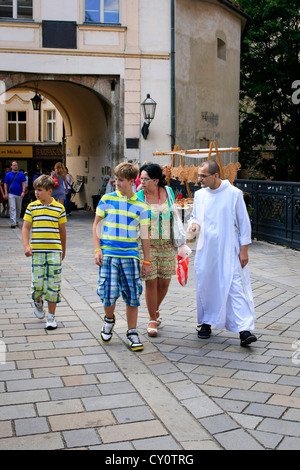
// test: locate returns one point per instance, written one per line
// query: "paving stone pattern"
(63, 389)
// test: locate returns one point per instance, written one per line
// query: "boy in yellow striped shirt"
(45, 218)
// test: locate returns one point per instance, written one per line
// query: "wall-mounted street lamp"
(36, 102)
(148, 107)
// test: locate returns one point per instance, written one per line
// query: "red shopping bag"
(182, 270)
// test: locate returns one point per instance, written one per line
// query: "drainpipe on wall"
(172, 74)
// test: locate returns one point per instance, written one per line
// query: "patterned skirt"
(162, 259)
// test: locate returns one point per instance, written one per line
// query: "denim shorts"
(120, 276)
(46, 276)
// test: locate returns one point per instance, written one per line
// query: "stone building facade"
(96, 61)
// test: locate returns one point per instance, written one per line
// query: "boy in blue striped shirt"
(121, 217)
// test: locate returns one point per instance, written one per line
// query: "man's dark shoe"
(204, 332)
(247, 338)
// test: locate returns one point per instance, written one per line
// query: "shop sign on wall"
(16, 151)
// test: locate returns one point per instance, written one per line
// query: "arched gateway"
(91, 110)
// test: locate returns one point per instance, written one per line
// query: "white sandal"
(150, 330)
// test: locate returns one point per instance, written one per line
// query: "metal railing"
(276, 209)
(276, 214)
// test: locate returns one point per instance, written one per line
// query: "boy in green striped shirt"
(45, 218)
(120, 218)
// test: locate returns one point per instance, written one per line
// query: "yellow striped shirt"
(45, 220)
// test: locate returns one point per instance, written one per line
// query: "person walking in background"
(162, 253)
(70, 181)
(110, 186)
(60, 177)
(26, 176)
(14, 191)
(1, 198)
(223, 289)
(121, 215)
(36, 174)
(45, 218)
(5, 210)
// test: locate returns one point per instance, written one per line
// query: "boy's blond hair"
(126, 170)
(45, 182)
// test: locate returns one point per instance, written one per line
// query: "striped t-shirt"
(45, 222)
(120, 229)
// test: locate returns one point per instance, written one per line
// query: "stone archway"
(91, 110)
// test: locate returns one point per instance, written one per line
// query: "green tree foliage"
(269, 68)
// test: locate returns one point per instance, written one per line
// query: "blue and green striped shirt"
(122, 219)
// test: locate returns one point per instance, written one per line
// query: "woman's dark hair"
(155, 172)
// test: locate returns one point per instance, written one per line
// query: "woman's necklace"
(145, 194)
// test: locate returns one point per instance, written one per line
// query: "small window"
(221, 49)
(16, 125)
(111, 11)
(6, 8)
(101, 11)
(16, 9)
(92, 11)
(50, 125)
(24, 9)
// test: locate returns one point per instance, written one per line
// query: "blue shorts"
(120, 276)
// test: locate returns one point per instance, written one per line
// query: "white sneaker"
(107, 329)
(38, 309)
(51, 322)
(134, 340)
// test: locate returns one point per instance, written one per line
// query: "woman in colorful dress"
(162, 253)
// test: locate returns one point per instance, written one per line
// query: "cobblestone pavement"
(63, 389)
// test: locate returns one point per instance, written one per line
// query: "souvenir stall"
(189, 174)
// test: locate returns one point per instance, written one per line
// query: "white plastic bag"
(184, 251)
(178, 232)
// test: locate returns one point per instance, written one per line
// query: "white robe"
(224, 295)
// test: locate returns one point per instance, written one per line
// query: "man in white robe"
(223, 289)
